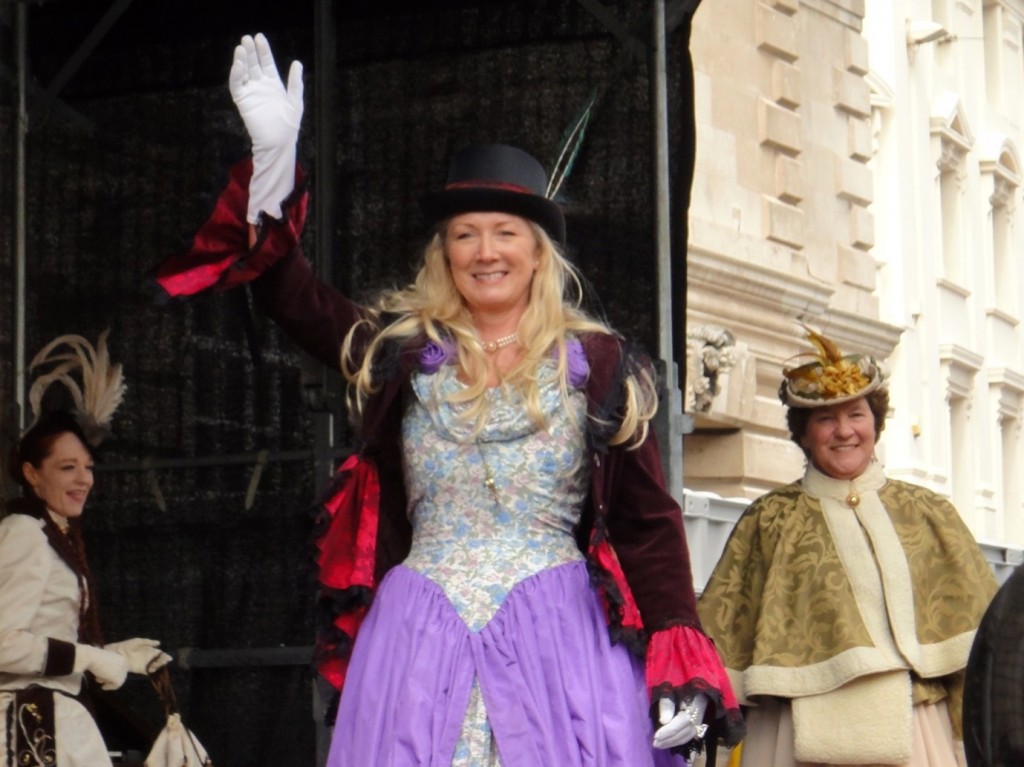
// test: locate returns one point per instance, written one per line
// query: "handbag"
(175, 745)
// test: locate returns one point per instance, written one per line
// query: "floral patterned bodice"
(474, 540)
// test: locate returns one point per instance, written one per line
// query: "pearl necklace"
(492, 346)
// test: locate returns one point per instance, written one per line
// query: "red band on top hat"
(489, 185)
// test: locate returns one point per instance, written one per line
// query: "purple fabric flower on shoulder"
(576, 362)
(434, 355)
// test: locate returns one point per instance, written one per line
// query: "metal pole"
(323, 420)
(21, 130)
(659, 107)
(669, 420)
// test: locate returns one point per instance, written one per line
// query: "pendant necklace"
(489, 482)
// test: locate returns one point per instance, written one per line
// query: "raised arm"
(252, 236)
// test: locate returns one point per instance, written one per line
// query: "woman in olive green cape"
(845, 604)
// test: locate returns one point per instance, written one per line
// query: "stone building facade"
(858, 170)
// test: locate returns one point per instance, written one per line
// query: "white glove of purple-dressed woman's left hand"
(679, 727)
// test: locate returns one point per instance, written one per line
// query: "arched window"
(951, 141)
(959, 367)
(1001, 179)
(1004, 55)
(1007, 394)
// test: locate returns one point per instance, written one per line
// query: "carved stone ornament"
(709, 353)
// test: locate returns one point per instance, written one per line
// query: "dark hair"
(798, 417)
(37, 443)
(34, 447)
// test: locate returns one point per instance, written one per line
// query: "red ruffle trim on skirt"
(220, 257)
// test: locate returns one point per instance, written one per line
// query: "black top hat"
(497, 177)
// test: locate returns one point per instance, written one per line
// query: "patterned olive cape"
(812, 592)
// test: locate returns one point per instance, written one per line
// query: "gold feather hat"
(102, 386)
(829, 377)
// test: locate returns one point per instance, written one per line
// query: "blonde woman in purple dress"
(506, 576)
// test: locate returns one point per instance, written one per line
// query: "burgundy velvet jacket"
(631, 528)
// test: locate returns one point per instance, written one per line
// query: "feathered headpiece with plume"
(830, 377)
(102, 385)
(569, 147)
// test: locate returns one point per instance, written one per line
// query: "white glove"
(109, 668)
(272, 116)
(143, 656)
(682, 726)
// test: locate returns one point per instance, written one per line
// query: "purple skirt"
(557, 692)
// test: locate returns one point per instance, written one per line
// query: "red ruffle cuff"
(345, 552)
(220, 257)
(681, 662)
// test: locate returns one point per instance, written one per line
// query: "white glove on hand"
(109, 668)
(682, 726)
(272, 116)
(142, 655)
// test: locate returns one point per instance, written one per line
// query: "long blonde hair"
(431, 306)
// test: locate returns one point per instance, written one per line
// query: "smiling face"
(493, 257)
(840, 439)
(63, 478)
